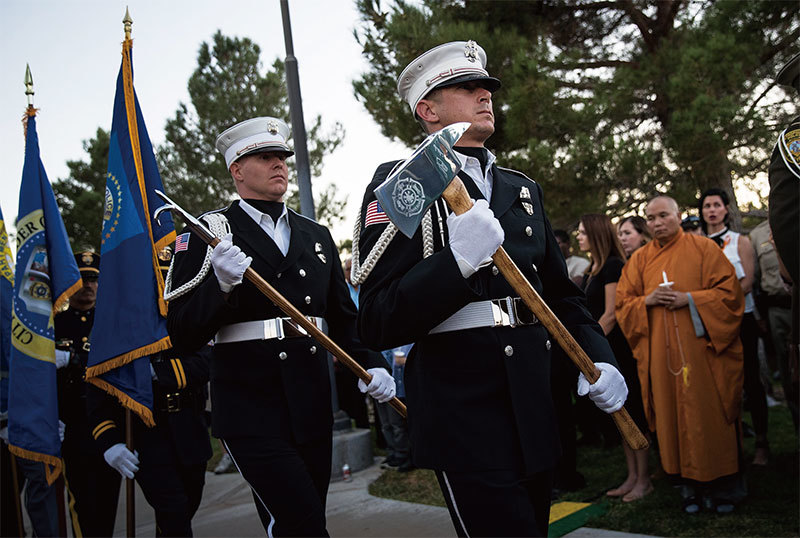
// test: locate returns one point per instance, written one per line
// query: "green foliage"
(229, 86)
(604, 103)
(80, 196)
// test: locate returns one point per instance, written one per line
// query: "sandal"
(691, 504)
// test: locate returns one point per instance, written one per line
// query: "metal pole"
(298, 123)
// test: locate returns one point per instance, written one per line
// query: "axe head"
(421, 179)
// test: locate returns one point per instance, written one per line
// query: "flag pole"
(130, 488)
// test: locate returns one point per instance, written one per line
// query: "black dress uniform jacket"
(478, 399)
(268, 385)
(92, 485)
(784, 204)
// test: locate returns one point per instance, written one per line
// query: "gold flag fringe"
(142, 411)
(125, 358)
(29, 113)
(49, 461)
(64, 297)
(133, 131)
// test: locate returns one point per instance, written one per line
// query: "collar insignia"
(525, 198)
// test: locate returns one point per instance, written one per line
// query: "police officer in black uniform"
(169, 459)
(92, 486)
(478, 377)
(270, 388)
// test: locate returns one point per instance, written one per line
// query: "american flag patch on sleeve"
(375, 214)
(182, 242)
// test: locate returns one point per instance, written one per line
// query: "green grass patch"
(771, 509)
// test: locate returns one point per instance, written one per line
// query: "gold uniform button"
(83, 318)
(282, 355)
(85, 339)
(509, 351)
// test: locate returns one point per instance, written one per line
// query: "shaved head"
(663, 218)
(672, 204)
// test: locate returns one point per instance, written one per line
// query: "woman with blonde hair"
(598, 236)
(632, 233)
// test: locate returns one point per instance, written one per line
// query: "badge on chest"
(525, 199)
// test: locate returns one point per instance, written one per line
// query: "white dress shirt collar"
(279, 231)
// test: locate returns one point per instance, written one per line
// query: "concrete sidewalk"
(228, 510)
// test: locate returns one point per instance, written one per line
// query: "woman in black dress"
(598, 236)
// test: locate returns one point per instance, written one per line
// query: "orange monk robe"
(691, 386)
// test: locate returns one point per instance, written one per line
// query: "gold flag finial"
(29, 84)
(128, 22)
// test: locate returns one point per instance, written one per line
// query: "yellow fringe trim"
(48, 460)
(64, 297)
(125, 358)
(129, 403)
(133, 131)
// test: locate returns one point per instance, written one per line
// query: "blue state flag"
(130, 315)
(46, 276)
(6, 293)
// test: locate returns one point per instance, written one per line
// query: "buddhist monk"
(680, 305)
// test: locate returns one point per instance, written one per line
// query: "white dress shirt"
(472, 167)
(279, 231)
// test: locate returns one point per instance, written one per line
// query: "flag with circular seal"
(46, 276)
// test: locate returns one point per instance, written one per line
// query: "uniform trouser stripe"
(455, 505)
(73, 515)
(271, 517)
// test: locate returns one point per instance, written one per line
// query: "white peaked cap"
(445, 65)
(256, 135)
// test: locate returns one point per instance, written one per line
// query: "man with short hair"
(480, 410)
(270, 388)
(680, 305)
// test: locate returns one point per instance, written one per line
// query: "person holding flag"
(46, 276)
(93, 486)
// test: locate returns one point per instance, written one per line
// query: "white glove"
(609, 391)
(62, 358)
(61, 429)
(123, 460)
(474, 237)
(229, 263)
(381, 387)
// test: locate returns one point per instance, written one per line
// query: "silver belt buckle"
(503, 313)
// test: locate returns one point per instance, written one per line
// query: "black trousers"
(497, 503)
(174, 491)
(92, 486)
(289, 481)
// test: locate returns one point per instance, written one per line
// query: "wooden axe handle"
(288, 308)
(459, 201)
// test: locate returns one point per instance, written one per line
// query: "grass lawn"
(771, 508)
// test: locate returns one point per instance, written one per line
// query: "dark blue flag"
(46, 276)
(130, 321)
(6, 293)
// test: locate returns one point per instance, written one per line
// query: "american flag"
(182, 242)
(375, 214)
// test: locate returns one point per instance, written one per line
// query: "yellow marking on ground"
(563, 509)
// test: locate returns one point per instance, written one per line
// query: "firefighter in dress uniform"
(169, 459)
(92, 486)
(477, 380)
(270, 387)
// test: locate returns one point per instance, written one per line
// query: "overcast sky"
(73, 48)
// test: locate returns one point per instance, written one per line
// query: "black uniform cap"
(88, 262)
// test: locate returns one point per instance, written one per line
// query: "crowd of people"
(668, 309)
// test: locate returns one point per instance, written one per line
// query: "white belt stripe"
(271, 517)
